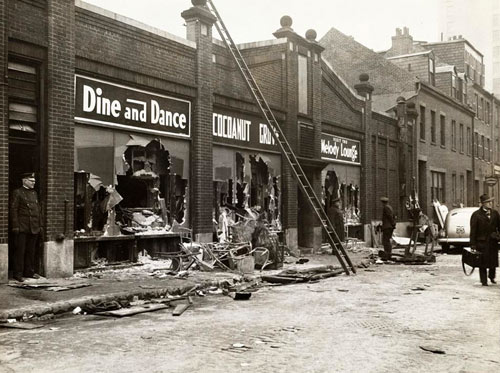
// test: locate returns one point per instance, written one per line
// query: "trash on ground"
(180, 308)
(50, 285)
(21, 325)
(77, 310)
(242, 295)
(133, 310)
(432, 349)
(290, 276)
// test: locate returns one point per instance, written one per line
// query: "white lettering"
(88, 99)
(230, 127)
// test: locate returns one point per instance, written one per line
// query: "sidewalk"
(144, 281)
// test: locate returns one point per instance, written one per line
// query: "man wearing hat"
(26, 226)
(336, 217)
(484, 229)
(388, 226)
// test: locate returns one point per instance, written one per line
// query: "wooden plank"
(21, 325)
(133, 310)
(180, 308)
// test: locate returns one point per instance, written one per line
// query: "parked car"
(456, 230)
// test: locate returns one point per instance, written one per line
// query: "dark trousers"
(386, 241)
(485, 273)
(24, 255)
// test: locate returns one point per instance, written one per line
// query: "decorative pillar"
(199, 22)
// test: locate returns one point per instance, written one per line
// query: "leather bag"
(470, 258)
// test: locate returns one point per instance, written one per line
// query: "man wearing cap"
(388, 226)
(484, 228)
(336, 217)
(26, 226)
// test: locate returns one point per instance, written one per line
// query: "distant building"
(442, 131)
(478, 22)
(456, 68)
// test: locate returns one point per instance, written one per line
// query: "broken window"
(245, 181)
(128, 183)
(342, 183)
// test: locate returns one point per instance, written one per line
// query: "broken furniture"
(113, 248)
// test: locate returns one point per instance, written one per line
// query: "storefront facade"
(341, 178)
(132, 131)
(247, 167)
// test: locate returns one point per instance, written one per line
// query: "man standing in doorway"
(26, 226)
(484, 235)
(388, 226)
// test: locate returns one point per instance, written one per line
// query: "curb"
(70, 304)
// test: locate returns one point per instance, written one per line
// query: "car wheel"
(445, 247)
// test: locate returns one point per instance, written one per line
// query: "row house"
(442, 125)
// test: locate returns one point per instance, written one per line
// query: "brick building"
(442, 161)
(127, 126)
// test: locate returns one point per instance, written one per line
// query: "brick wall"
(439, 158)
(415, 65)
(4, 145)
(266, 65)
(60, 109)
(116, 44)
(28, 21)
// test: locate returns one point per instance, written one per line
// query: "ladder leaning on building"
(285, 147)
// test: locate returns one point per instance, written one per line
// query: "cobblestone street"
(380, 320)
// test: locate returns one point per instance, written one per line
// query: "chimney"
(402, 42)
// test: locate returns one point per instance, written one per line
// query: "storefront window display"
(127, 183)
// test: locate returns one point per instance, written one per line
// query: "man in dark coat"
(484, 228)
(336, 217)
(388, 226)
(26, 226)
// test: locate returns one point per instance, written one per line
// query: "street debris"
(291, 276)
(432, 349)
(242, 295)
(237, 347)
(43, 284)
(134, 310)
(20, 325)
(180, 308)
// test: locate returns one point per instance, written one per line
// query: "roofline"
(409, 55)
(132, 22)
(446, 97)
(454, 41)
(353, 92)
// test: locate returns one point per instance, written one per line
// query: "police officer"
(26, 226)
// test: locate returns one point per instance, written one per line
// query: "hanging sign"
(341, 149)
(104, 103)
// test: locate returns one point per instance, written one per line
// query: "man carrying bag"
(484, 228)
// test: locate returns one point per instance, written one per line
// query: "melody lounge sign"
(103, 103)
(336, 148)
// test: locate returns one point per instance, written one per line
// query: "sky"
(370, 22)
